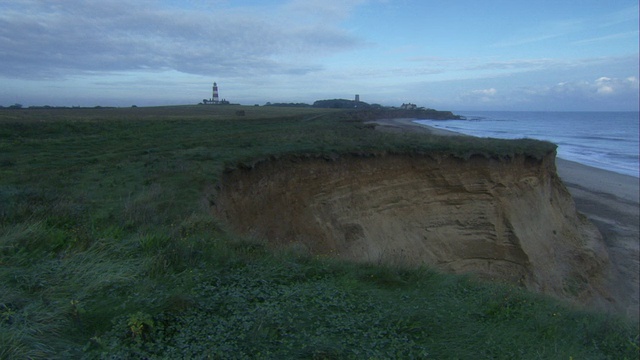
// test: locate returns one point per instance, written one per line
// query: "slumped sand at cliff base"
(610, 200)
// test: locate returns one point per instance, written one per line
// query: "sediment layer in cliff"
(504, 219)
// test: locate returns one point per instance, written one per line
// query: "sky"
(543, 55)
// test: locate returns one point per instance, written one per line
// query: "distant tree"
(16, 106)
(340, 104)
(288, 104)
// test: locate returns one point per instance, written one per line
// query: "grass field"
(108, 250)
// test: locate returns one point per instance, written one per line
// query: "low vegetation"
(108, 250)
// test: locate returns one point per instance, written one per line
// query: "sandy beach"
(610, 200)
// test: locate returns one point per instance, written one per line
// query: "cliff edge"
(509, 219)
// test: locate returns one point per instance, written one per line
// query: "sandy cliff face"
(510, 220)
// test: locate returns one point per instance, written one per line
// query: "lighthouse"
(215, 98)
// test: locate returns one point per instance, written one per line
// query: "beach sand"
(610, 200)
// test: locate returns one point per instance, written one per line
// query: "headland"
(611, 201)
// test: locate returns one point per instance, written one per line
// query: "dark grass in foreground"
(107, 249)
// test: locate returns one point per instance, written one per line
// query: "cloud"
(604, 93)
(480, 96)
(542, 32)
(485, 92)
(545, 64)
(629, 14)
(624, 35)
(549, 30)
(602, 86)
(537, 68)
(326, 9)
(41, 39)
(518, 64)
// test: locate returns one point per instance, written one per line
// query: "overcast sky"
(449, 55)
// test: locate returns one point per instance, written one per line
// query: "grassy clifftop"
(107, 248)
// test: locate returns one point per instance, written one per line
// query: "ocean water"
(606, 140)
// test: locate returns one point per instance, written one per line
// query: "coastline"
(611, 201)
(573, 174)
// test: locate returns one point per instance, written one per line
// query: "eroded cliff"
(504, 219)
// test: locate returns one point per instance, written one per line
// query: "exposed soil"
(505, 220)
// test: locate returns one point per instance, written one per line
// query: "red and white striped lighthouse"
(215, 99)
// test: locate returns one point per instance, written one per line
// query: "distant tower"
(215, 99)
(357, 98)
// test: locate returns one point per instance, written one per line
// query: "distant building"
(409, 106)
(215, 98)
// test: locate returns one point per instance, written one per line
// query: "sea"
(605, 140)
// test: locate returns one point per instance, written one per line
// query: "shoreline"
(572, 173)
(564, 151)
(611, 201)
(575, 174)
